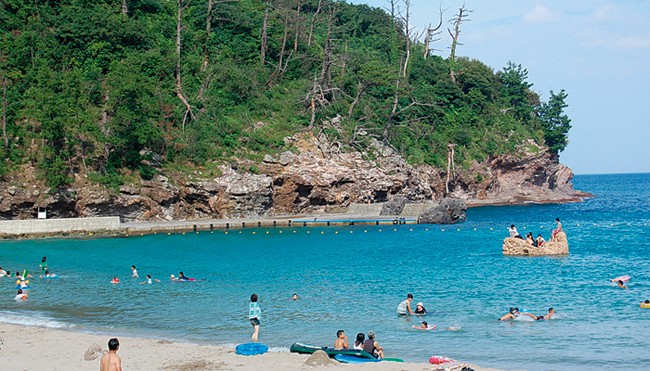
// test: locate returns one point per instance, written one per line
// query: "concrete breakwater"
(64, 226)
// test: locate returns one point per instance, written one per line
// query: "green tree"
(556, 124)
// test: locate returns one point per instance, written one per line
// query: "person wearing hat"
(371, 346)
(419, 309)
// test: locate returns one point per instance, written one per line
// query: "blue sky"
(598, 51)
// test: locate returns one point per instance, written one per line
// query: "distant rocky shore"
(312, 178)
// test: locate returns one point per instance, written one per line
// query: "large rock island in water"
(315, 177)
(557, 245)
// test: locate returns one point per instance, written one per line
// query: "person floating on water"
(48, 274)
(548, 315)
(294, 297)
(254, 315)
(341, 340)
(424, 326)
(115, 280)
(404, 307)
(43, 265)
(149, 280)
(182, 277)
(3, 272)
(645, 304)
(21, 295)
(621, 285)
(513, 313)
(419, 309)
(134, 272)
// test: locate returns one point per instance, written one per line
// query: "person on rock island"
(558, 229)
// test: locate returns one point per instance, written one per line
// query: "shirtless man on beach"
(341, 340)
(111, 361)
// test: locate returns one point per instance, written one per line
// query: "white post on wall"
(42, 214)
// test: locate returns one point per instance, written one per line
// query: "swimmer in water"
(513, 313)
(182, 277)
(424, 326)
(21, 295)
(621, 285)
(548, 315)
(134, 273)
(115, 280)
(149, 280)
(295, 297)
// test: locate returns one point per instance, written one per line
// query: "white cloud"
(606, 12)
(540, 14)
(633, 42)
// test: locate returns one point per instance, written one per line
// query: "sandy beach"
(35, 348)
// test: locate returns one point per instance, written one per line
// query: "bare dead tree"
(396, 111)
(208, 30)
(265, 32)
(4, 110)
(450, 164)
(313, 21)
(297, 26)
(458, 19)
(125, 7)
(322, 84)
(182, 5)
(406, 19)
(431, 33)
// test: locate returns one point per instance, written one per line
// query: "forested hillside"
(109, 87)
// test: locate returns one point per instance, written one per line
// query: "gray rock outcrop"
(557, 245)
(315, 177)
(394, 207)
(448, 211)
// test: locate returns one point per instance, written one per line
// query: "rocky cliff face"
(316, 178)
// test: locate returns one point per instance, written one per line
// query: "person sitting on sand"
(540, 241)
(111, 361)
(621, 285)
(115, 280)
(512, 314)
(372, 346)
(21, 295)
(341, 340)
(424, 326)
(419, 309)
(404, 307)
(149, 280)
(358, 344)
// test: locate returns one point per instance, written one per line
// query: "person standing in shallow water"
(43, 265)
(254, 315)
(404, 307)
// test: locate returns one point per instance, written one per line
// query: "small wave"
(32, 320)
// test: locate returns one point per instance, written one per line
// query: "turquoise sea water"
(352, 278)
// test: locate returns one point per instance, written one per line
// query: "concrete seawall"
(52, 226)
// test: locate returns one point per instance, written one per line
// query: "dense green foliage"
(89, 89)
